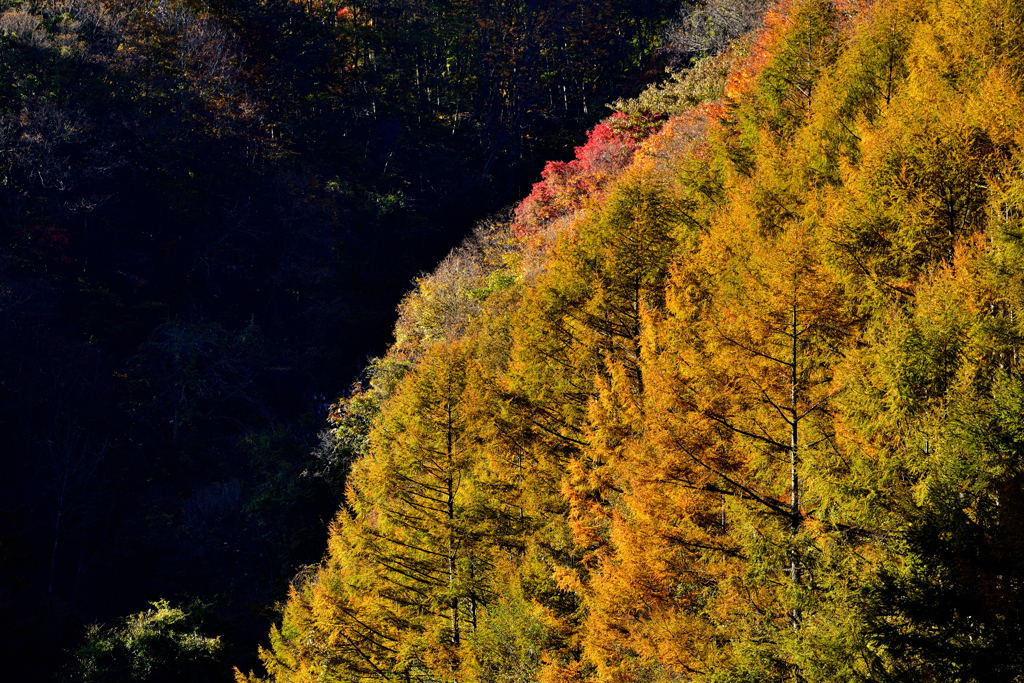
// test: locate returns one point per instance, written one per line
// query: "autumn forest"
(512, 341)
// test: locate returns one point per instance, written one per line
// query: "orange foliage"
(777, 21)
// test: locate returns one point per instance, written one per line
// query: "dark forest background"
(208, 212)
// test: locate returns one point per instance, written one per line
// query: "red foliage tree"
(565, 185)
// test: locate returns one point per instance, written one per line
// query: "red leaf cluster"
(565, 185)
(47, 242)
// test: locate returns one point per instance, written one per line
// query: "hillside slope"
(735, 400)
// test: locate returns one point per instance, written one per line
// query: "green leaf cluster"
(163, 643)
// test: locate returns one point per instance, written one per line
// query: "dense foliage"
(163, 643)
(734, 396)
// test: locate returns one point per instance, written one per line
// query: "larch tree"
(407, 572)
(715, 562)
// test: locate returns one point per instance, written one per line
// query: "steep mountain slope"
(738, 400)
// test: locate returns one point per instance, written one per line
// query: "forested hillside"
(208, 212)
(733, 396)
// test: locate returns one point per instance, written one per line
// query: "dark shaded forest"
(208, 213)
